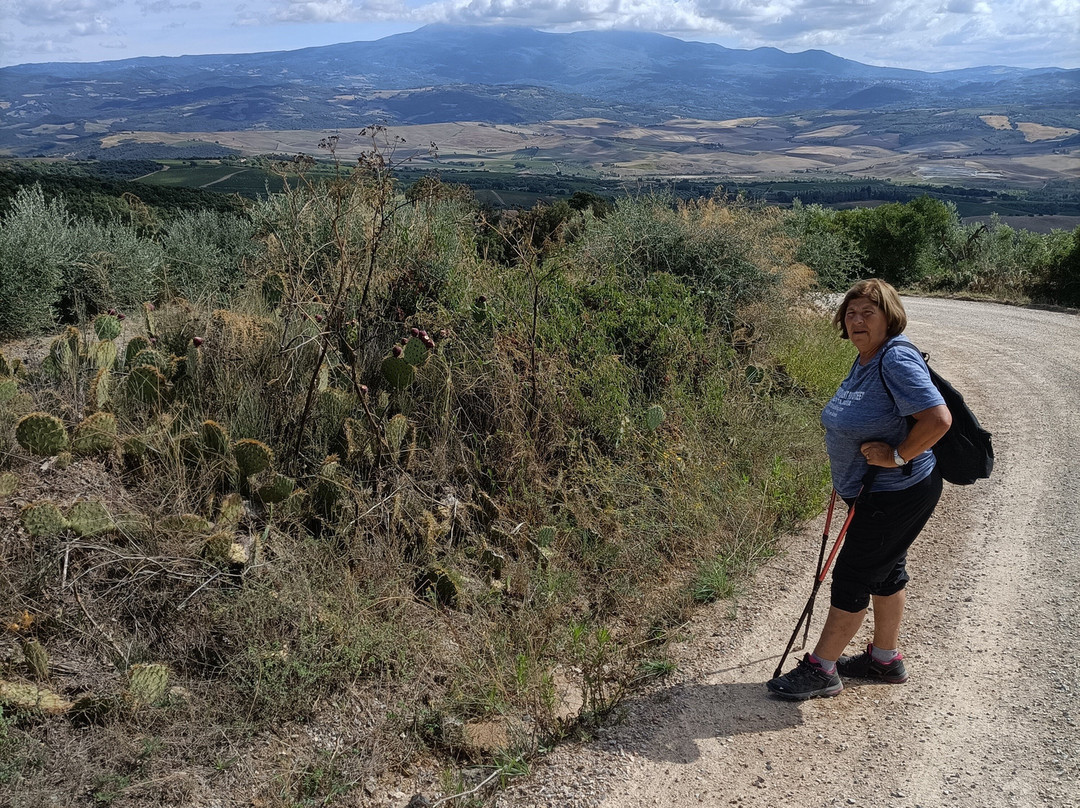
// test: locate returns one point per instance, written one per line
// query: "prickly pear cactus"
(64, 353)
(230, 512)
(134, 347)
(89, 518)
(107, 327)
(654, 416)
(252, 456)
(276, 490)
(397, 372)
(147, 384)
(42, 434)
(545, 536)
(37, 660)
(43, 519)
(102, 354)
(147, 684)
(5, 366)
(327, 489)
(154, 358)
(99, 394)
(416, 352)
(96, 434)
(9, 388)
(25, 696)
(9, 484)
(439, 584)
(356, 441)
(63, 460)
(215, 440)
(216, 546)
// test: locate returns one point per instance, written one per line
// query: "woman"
(867, 424)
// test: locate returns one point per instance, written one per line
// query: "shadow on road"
(696, 712)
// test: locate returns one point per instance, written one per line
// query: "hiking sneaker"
(805, 682)
(864, 666)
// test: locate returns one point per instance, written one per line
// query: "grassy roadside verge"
(386, 558)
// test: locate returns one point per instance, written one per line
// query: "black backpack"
(964, 454)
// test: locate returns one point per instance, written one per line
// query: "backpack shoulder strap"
(881, 366)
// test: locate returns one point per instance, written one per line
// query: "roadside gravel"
(991, 715)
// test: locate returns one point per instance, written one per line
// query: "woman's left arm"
(930, 425)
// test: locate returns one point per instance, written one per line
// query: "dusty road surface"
(991, 714)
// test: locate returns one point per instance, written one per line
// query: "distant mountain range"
(494, 75)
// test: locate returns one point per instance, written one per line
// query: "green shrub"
(204, 254)
(36, 250)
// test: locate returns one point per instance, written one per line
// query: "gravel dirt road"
(991, 714)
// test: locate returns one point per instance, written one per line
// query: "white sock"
(883, 656)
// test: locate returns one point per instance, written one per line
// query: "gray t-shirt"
(862, 411)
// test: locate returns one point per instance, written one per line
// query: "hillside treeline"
(373, 469)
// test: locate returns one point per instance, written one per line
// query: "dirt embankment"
(991, 715)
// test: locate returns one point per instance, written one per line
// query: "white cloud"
(49, 12)
(336, 11)
(96, 26)
(912, 33)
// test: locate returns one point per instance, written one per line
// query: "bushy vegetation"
(923, 246)
(386, 468)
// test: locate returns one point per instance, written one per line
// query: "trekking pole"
(823, 569)
(820, 561)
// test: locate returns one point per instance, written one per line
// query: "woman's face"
(866, 325)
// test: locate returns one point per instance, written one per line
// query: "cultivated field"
(956, 147)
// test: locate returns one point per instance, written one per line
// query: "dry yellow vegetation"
(1037, 131)
(997, 121)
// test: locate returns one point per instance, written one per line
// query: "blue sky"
(920, 34)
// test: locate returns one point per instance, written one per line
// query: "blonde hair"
(884, 296)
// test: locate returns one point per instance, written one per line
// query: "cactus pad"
(5, 366)
(416, 352)
(230, 512)
(89, 518)
(134, 347)
(398, 372)
(155, 358)
(147, 384)
(25, 696)
(252, 456)
(9, 484)
(215, 439)
(43, 519)
(107, 327)
(37, 660)
(8, 389)
(356, 441)
(439, 584)
(147, 684)
(327, 489)
(42, 434)
(102, 354)
(654, 416)
(95, 434)
(278, 489)
(64, 351)
(100, 390)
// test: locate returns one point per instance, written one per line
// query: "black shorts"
(873, 560)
